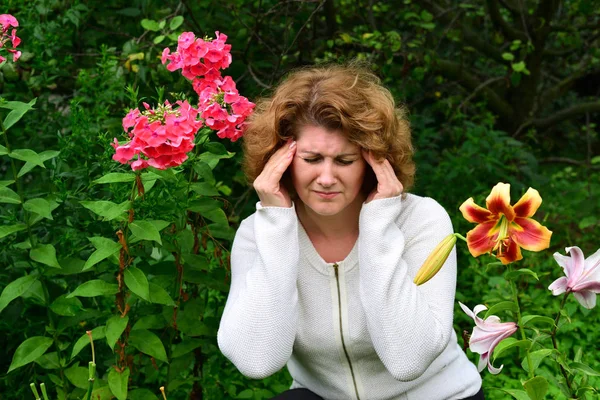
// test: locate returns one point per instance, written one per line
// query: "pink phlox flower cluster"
(163, 136)
(6, 21)
(196, 56)
(486, 335)
(222, 107)
(582, 276)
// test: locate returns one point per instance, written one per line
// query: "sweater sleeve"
(409, 325)
(258, 326)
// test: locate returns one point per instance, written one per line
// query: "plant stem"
(461, 237)
(521, 330)
(553, 336)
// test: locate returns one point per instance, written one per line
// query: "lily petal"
(559, 286)
(512, 253)
(483, 361)
(474, 213)
(575, 265)
(481, 239)
(592, 264)
(498, 202)
(528, 203)
(530, 234)
(586, 298)
(563, 261)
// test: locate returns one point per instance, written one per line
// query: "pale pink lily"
(582, 276)
(486, 335)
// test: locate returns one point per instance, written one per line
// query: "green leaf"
(204, 205)
(6, 183)
(536, 319)
(536, 358)
(215, 148)
(18, 110)
(107, 209)
(245, 394)
(176, 22)
(9, 196)
(536, 388)
(510, 343)
(204, 172)
(29, 351)
(185, 347)
(115, 177)
(27, 155)
(66, 307)
(148, 343)
(10, 229)
(502, 306)
(45, 254)
(48, 361)
(44, 155)
(94, 288)
(218, 216)
(159, 295)
(39, 206)
(97, 334)
(204, 189)
(517, 394)
(102, 393)
(158, 39)
(118, 382)
(78, 376)
(150, 322)
(136, 282)
(145, 230)
(141, 394)
(104, 249)
(150, 25)
(584, 368)
(115, 326)
(221, 231)
(213, 159)
(511, 275)
(508, 56)
(15, 289)
(3, 150)
(519, 67)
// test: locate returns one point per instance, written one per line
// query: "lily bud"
(436, 259)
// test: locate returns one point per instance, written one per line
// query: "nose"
(327, 177)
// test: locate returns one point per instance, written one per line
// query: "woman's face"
(327, 170)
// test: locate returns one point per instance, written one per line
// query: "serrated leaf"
(145, 230)
(15, 289)
(148, 343)
(115, 177)
(18, 110)
(136, 281)
(66, 307)
(97, 334)
(107, 209)
(9, 196)
(45, 254)
(94, 288)
(29, 351)
(159, 295)
(115, 326)
(536, 388)
(39, 206)
(176, 22)
(27, 155)
(104, 249)
(10, 229)
(118, 382)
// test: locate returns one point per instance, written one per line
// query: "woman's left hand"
(388, 184)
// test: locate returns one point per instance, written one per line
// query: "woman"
(322, 272)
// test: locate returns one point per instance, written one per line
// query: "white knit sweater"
(368, 333)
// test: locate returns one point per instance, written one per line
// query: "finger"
(279, 162)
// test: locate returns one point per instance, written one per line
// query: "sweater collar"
(307, 249)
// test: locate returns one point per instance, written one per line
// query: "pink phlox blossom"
(160, 137)
(582, 276)
(6, 21)
(197, 57)
(486, 336)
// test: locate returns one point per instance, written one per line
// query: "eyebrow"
(319, 154)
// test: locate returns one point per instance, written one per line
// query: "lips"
(326, 195)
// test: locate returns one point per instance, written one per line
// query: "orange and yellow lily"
(503, 229)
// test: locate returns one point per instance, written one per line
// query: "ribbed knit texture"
(283, 307)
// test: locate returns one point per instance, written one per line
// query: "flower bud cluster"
(164, 135)
(6, 21)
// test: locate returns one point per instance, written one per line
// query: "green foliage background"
(497, 91)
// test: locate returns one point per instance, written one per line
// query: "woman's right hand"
(268, 184)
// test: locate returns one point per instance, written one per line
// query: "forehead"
(320, 140)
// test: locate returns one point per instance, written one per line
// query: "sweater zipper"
(337, 280)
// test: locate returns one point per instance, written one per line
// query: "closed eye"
(315, 160)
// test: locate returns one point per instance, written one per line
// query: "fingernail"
(293, 144)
